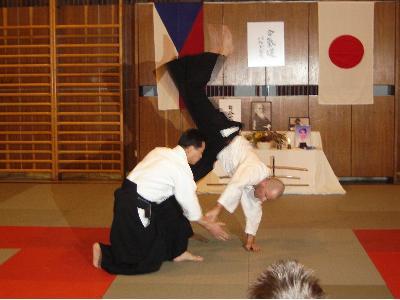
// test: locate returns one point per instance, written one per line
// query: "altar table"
(317, 178)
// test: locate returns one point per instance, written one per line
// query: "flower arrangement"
(266, 136)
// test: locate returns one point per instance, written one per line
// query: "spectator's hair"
(191, 137)
(286, 279)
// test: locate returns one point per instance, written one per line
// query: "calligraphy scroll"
(265, 44)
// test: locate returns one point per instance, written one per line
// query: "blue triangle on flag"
(178, 19)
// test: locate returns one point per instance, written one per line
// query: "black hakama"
(136, 249)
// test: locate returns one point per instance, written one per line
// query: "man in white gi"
(250, 184)
(152, 211)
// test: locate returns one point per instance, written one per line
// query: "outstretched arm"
(215, 228)
(213, 213)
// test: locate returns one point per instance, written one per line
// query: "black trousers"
(136, 249)
(191, 74)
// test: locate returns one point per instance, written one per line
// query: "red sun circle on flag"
(346, 51)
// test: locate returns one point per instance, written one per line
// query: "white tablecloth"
(318, 179)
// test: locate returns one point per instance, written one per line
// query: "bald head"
(269, 189)
(275, 188)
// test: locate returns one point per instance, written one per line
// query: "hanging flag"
(178, 31)
(164, 51)
(346, 45)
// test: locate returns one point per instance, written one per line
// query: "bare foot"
(187, 256)
(252, 247)
(96, 255)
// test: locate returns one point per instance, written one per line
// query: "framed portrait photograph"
(261, 112)
(302, 136)
(293, 121)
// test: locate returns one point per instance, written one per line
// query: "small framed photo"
(261, 112)
(293, 121)
(232, 108)
(302, 136)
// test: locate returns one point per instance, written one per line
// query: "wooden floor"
(315, 230)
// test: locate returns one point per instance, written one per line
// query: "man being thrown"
(152, 210)
(250, 184)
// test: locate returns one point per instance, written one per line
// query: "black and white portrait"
(260, 115)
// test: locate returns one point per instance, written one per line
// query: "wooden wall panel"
(152, 131)
(295, 18)
(145, 45)
(69, 14)
(397, 95)
(40, 15)
(285, 107)
(313, 55)
(102, 14)
(384, 46)
(130, 86)
(213, 17)
(157, 128)
(236, 16)
(173, 125)
(334, 124)
(186, 120)
(375, 156)
(151, 134)
(373, 138)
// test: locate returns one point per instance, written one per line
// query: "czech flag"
(178, 31)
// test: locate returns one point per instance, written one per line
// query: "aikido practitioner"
(250, 183)
(152, 210)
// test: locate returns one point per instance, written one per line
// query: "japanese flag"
(346, 44)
